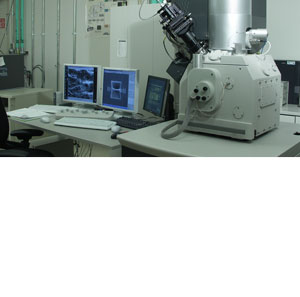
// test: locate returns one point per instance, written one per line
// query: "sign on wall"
(98, 15)
(2, 23)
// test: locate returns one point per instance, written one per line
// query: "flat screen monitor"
(156, 95)
(120, 89)
(290, 72)
(81, 84)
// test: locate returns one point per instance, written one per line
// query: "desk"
(104, 145)
(290, 113)
(24, 97)
(278, 143)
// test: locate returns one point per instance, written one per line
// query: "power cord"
(182, 127)
(39, 67)
(269, 49)
(165, 47)
(149, 18)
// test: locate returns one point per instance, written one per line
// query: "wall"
(283, 25)
(3, 14)
(145, 50)
(91, 48)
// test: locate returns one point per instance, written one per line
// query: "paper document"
(26, 113)
(47, 108)
(2, 63)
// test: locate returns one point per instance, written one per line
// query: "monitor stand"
(120, 114)
(84, 106)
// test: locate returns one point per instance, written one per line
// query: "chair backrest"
(4, 125)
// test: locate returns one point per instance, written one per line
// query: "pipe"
(43, 41)
(74, 31)
(58, 45)
(17, 27)
(22, 26)
(12, 24)
(32, 34)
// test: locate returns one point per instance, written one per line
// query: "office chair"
(17, 149)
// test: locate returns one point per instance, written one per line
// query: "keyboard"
(95, 124)
(133, 124)
(75, 112)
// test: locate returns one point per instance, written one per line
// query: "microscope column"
(228, 22)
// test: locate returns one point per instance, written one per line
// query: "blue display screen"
(81, 84)
(155, 95)
(119, 89)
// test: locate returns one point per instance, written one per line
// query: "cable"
(262, 50)
(269, 49)
(91, 150)
(140, 15)
(182, 127)
(187, 118)
(164, 43)
(77, 145)
(39, 67)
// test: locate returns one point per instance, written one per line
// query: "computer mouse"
(114, 136)
(45, 120)
(115, 129)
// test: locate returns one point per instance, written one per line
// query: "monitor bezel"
(136, 92)
(167, 92)
(98, 97)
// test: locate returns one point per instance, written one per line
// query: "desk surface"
(11, 93)
(280, 142)
(290, 110)
(95, 137)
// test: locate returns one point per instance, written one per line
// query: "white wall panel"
(144, 43)
(50, 51)
(283, 20)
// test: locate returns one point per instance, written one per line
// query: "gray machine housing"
(234, 89)
(242, 98)
(199, 10)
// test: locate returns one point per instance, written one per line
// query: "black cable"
(39, 67)
(164, 43)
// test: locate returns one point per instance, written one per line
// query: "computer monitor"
(157, 92)
(81, 84)
(120, 89)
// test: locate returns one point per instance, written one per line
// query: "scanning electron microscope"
(228, 84)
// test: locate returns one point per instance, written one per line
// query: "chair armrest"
(14, 153)
(26, 133)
